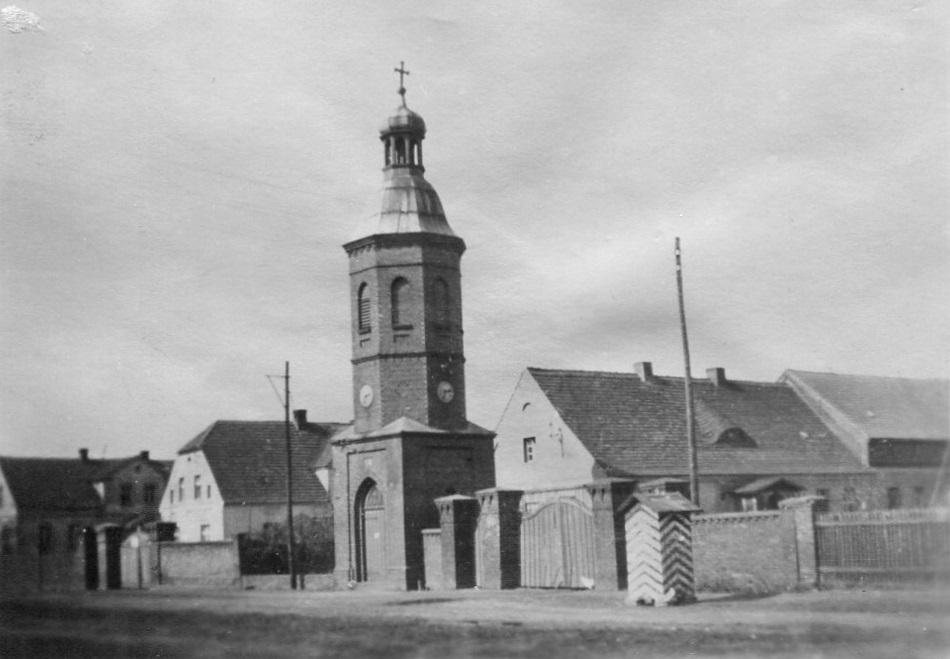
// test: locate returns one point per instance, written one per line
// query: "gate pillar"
(658, 531)
(610, 558)
(499, 538)
(457, 517)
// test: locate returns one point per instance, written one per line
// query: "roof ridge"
(633, 375)
(865, 376)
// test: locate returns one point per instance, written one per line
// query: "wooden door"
(371, 534)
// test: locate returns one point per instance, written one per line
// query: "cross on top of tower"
(402, 72)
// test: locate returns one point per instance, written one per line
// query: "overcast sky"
(178, 179)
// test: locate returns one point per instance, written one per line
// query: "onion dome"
(408, 203)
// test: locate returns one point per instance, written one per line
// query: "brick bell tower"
(410, 441)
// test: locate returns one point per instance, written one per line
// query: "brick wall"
(200, 563)
(753, 552)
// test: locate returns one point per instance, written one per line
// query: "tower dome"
(408, 203)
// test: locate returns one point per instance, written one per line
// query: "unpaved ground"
(548, 624)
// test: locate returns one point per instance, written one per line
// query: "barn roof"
(880, 407)
(634, 427)
(249, 459)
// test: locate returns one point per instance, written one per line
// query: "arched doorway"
(370, 532)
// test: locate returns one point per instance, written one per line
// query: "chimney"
(300, 419)
(644, 370)
(143, 455)
(84, 454)
(716, 375)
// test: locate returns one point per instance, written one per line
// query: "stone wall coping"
(758, 515)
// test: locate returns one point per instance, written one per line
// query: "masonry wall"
(745, 551)
(200, 563)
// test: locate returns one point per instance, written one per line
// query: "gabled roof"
(637, 428)
(51, 484)
(107, 468)
(249, 459)
(878, 407)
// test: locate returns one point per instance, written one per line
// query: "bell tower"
(406, 294)
(410, 442)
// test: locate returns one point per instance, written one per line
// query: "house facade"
(757, 443)
(232, 478)
(48, 505)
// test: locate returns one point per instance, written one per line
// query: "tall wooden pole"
(688, 380)
(290, 490)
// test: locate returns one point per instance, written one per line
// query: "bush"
(265, 552)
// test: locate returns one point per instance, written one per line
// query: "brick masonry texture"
(745, 551)
(200, 563)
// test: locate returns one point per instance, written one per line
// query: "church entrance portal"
(370, 533)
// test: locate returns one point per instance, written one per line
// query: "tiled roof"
(638, 428)
(249, 459)
(881, 407)
(50, 484)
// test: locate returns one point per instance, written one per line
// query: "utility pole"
(690, 424)
(290, 491)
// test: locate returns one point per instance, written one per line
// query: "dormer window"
(363, 309)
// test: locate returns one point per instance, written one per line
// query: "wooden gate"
(557, 540)
(885, 546)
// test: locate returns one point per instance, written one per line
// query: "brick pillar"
(610, 553)
(802, 512)
(499, 538)
(457, 517)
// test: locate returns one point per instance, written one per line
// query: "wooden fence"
(885, 547)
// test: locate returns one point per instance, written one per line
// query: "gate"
(886, 546)
(557, 539)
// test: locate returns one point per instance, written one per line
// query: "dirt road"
(548, 624)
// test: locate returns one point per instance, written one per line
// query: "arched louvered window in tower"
(363, 309)
(400, 302)
(440, 304)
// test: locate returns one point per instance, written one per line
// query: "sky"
(177, 180)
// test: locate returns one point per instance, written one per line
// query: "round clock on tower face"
(366, 395)
(445, 392)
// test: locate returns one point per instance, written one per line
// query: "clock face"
(366, 395)
(445, 392)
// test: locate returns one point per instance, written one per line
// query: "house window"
(148, 493)
(72, 537)
(209, 491)
(893, 498)
(919, 499)
(44, 538)
(181, 489)
(363, 309)
(400, 303)
(850, 499)
(205, 532)
(749, 504)
(1, 496)
(823, 504)
(197, 487)
(125, 495)
(171, 495)
(529, 443)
